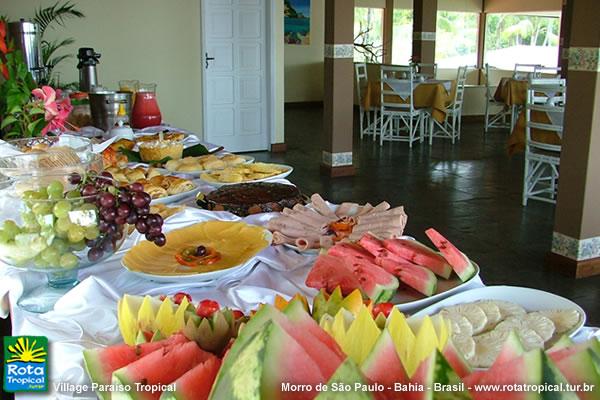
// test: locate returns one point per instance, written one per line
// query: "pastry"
(175, 136)
(178, 185)
(155, 184)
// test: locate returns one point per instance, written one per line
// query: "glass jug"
(145, 108)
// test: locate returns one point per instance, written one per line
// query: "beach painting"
(297, 22)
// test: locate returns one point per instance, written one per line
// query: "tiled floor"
(470, 191)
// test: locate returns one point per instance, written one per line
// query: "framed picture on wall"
(296, 24)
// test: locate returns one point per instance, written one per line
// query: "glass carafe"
(145, 109)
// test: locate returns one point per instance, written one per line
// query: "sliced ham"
(383, 206)
(313, 242)
(365, 209)
(398, 211)
(280, 238)
(321, 206)
(347, 210)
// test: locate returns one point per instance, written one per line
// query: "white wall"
(150, 40)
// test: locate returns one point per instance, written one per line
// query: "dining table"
(433, 94)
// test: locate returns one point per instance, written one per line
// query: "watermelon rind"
(346, 374)
(580, 368)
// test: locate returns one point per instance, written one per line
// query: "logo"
(25, 363)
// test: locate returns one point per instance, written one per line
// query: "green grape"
(11, 228)
(33, 228)
(39, 261)
(68, 261)
(78, 246)
(60, 245)
(29, 195)
(62, 235)
(87, 207)
(62, 225)
(42, 193)
(42, 208)
(51, 256)
(75, 234)
(62, 208)
(91, 232)
(4, 237)
(73, 194)
(55, 189)
(28, 218)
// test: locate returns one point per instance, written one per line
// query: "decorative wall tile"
(337, 159)
(575, 249)
(339, 50)
(584, 59)
(424, 36)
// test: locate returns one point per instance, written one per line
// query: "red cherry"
(385, 308)
(178, 297)
(237, 314)
(207, 308)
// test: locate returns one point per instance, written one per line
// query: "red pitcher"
(145, 111)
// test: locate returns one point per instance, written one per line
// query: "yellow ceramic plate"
(237, 242)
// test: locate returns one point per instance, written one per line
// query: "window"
(456, 39)
(402, 36)
(368, 34)
(522, 39)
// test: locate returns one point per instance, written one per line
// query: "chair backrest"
(428, 71)
(545, 96)
(541, 71)
(461, 79)
(525, 71)
(397, 85)
(362, 79)
(489, 95)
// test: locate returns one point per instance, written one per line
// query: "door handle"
(207, 59)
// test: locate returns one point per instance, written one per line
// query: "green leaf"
(7, 121)
(36, 110)
(195, 151)
(132, 156)
(56, 13)
(32, 126)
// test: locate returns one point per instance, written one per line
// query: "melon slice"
(581, 369)
(259, 366)
(435, 369)
(562, 343)
(419, 254)
(460, 263)
(349, 249)
(456, 360)
(347, 375)
(100, 363)
(419, 278)
(163, 366)
(352, 273)
(383, 366)
(196, 383)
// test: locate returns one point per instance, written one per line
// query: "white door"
(235, 73)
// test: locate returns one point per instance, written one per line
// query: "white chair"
(450, 128)
(499, 119)
(362, 80)
(542, 160)
(547, 72)
(425, 71)
(525, 71)
(400, 121)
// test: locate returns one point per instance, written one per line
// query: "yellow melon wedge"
(165, 318)
(361, 336)
(127, 311)
(426, 341)
(402, 336)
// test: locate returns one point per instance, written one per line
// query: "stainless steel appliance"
(105, 107)
(26, 36)
(88, 76)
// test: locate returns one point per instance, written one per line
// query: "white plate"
(233, 273)
(176, 197)
(529, 299)
(407, 299)
(247, 160)
(290, 169)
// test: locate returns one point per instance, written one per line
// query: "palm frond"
(50, 47)
(56, 13)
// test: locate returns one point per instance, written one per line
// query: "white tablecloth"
(86, 316)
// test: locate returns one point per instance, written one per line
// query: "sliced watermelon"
(558, 354)
(435, 369)
(460, 263)
(329, 272)
(196, 383)
(581, 369)
(259, 366)
(511, 349)
(456, 360)
(100, 363)
(419, 254)
(419, 278)
(162, 366)
(350, 249)
(347, 376)
(383, 366)
(562, 343)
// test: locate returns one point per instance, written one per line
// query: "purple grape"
(88, 190)
(150, 237)
(138, 200)
(160, 240)
(103, 226)
(124, 197)
(159, 219)
(108, 246)
(108, 214)
(147, 197)
(118, 235)
(95, 254)
(136, 187)
(74, 178)
(132, 218)
(107, 200)
(151, 220)
(123, 210)
(143, 210)
(106, 174)
(154, 230)
(200, 251)
(120, 220)
(141, 227)
(111, 229)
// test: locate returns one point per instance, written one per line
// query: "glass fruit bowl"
(47, 155)
(59, 226)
